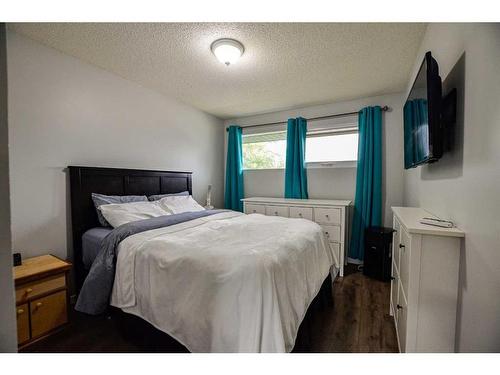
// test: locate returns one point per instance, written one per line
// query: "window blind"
(281, 136)
(333, 131)
(264, 137)
(318, 128)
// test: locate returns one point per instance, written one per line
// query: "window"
(333, 146)
(323, 148)
(264, 151)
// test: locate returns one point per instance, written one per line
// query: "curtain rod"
(384, 109)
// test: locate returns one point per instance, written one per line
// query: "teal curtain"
(416, 131)
(368, 199)
(295, 169)
(234, 170)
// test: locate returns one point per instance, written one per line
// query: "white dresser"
(331, 215)
(424, 284)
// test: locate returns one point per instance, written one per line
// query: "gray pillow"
(157, 197)
(100, 199)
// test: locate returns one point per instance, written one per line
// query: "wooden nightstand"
(41, 297)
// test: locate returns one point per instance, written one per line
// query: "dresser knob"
(39, 304)
(29, 290)
(300, 214)
(327, 216)
(399, 307)
(20, 311)
(401, 246)
(393, 278)
(276, 213)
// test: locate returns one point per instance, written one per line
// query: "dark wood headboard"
(113, 181)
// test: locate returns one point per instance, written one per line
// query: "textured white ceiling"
(285, 65)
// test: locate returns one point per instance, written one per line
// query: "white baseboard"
(354, 261)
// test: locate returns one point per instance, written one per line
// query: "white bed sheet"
(224, 283)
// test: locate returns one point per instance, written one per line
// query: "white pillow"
(122, 213)
(178, 204)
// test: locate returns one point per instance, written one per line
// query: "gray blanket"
(96, 290)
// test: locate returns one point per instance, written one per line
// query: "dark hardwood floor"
(358, 321)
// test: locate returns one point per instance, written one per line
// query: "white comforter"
(224, 283)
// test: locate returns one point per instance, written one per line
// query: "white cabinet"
(424, 284)
(331, 215)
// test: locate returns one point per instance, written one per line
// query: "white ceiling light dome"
(227, 51)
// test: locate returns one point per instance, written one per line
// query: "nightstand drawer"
(23, 323)
(39, 287)
(48, 313)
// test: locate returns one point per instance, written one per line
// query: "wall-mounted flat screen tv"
(423, 130)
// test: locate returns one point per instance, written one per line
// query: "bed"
(216, 281)
(91, 244)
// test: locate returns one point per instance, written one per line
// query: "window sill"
(333, 164)
(263, 169)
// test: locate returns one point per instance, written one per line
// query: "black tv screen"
(423, 134)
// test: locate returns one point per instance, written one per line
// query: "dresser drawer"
(335, 247)
(327, 215)
(39, 287)
(301, 212)
(255, 209)
(48, 313)
(23, 323)
(404, 260)
(396, 241)
(402, 314)
(394, 291)
(277, 211)
(332, 232)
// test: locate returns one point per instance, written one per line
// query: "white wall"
(465, 185)
(337, 183)
(63, 112)
(8, 339)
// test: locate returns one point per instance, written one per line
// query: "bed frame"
(112, 181)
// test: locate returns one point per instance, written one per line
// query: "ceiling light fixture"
(227, 51)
